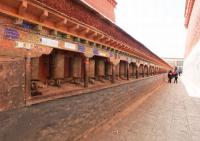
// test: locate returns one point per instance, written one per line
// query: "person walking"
(175, 74)
(170, 76)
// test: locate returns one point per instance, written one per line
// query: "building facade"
(51, 44)
(192, 61)
(175, 63)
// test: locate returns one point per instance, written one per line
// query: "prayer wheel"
(123, 69)
(58, 66)
(101, 68)
(92, 68)
(76, 67)
(117, 70)
(109, 69)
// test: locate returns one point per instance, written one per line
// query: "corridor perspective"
(99, 70)
(168, 114)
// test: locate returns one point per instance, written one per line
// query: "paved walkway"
(167, 115)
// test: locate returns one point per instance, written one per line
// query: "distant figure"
(175, 75)
(170, 76)
(179, 73)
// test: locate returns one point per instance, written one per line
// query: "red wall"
(105, 7)
(193, 35)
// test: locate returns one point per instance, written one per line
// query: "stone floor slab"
(169, 114)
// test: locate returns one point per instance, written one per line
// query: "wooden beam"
(94, 36)
(90, 34)
(85, 31)
(23, 6)
(82, 30)
(124, 47)
(72, 26)
(118, 44)
(99, 36)
(63, 22)
(108, 41)
(114, 43)
(101, 39)
(44, 16)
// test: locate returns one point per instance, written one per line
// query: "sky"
(158, 24)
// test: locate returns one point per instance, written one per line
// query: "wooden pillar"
(86, 67)
(136, 74)
(128, 75)
(27, 77)
(143, 71)
(117, 71)
(113, 73)
(120, 69)
(150, 71)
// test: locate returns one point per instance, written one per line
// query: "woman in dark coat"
(170, 76)
(175, 74)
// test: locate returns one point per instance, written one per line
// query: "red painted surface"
(193, 28)
(12, 81)
(82, 69)
(105, 7)
(188, 10)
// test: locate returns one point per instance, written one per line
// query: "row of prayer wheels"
(55, 68)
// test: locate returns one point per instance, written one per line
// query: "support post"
(113, 73)
(136, 74)
(147, 71)
(86, 65)
(27, 77)
(128, 75)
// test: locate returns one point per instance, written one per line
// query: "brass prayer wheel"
(76, 67)
(100, 68)
(58, 66)
(91, 68)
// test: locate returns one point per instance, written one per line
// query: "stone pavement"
(70, 118)
(169, 114)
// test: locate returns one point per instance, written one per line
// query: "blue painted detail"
(81, 48)
(95, 51)
(10, 33)
(27, 25)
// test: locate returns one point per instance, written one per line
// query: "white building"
(175, 62)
